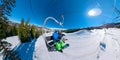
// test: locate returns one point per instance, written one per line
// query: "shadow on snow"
(24, 51)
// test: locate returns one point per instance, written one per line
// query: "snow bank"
(14, 40)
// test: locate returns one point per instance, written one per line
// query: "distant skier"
(58, 42)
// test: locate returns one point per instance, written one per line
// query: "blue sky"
(75, 12)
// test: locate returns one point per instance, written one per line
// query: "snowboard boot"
(60, 51)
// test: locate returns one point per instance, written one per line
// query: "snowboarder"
(58, 42)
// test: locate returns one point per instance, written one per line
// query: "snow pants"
(59, 45)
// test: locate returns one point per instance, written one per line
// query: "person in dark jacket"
(58, 42)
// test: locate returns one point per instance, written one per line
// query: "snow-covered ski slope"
(84, 45)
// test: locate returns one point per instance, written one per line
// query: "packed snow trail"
(84, 45)
(25, 50)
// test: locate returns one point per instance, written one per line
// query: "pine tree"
(3, 27)
(6, 7)
(9, 32)
(21, 30)
(27, 30)
(14, 31)
(24, 31)
(32, 31)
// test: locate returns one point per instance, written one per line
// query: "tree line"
(24, 30)
(27, 32)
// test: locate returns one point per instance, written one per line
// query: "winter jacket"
(55, 36)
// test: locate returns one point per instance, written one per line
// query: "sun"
(91, 13)
(94, 12)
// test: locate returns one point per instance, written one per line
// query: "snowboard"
(66, 45)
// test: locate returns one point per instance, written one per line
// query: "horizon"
(76, 13)
(60, 28)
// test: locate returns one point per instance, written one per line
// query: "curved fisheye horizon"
(73, 11)
(59, 29)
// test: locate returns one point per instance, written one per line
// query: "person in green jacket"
(58, 41)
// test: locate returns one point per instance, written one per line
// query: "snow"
(81, 32)
(14, 40)
(1, 57)
(84, 45)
